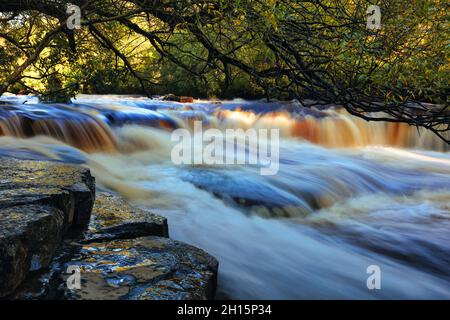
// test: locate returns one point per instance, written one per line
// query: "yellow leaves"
(211, 8)
(272, 21)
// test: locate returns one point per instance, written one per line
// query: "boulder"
(39, 202)
(171, 97)
(186, 99)
(23, 92)
(181, 99)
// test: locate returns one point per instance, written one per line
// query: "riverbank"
(53, 224)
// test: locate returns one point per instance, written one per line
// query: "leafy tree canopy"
(319, 49)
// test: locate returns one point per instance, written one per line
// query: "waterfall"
(349, 193)
(90, 126)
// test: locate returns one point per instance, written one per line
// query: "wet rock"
(29, 236)
(68, 188)
(124, 252)
(186, 99)
(148, 268)
(113, 219)
(116, 261)
(256, 196)
(39, 202)
(181, 99)
(23, 92)
(35, 287)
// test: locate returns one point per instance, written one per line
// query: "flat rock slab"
(39, 202)
(147, 268)
(113, 218)
(125, 255)
(68, 188)
(122, 252)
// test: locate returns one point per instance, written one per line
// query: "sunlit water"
(348, 194)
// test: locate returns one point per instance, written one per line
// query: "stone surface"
(113, 218)
(147, 268)
(68, 188)
(125, 254)
(29, 236)
(39, 202)
(181, 99)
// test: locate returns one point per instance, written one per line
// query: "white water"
(310, 231)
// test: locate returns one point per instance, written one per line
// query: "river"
(348, 194)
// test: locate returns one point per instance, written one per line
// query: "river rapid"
(348, 194)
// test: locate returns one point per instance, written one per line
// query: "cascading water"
(348, 194)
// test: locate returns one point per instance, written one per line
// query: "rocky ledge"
(146, 268)
(39, 203)
(50, 226)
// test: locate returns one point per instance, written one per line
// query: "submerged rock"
(39, 202)
(148, 268)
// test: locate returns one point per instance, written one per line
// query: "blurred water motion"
(349, 193)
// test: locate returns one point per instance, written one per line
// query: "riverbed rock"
(186, 99)
(39, 202)
(147, 268)
(113, 218)
(181, 99)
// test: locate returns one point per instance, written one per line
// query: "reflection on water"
(346, 196)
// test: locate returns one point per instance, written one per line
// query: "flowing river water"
(349, 194)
